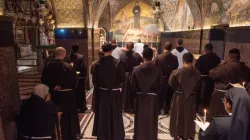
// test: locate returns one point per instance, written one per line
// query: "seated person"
(240, 123)
(247, 86)
(220, 125)
(38, 117)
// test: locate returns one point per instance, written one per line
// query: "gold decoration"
(69, 13)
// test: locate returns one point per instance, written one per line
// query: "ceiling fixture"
(158, 13)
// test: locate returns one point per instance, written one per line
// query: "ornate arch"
(168, 5)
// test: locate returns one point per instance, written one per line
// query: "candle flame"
(244, 84)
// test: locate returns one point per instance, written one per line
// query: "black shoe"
(79, 136)
(82, 110)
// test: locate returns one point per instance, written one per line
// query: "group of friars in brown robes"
(67, 88)
(110, 76)
(144, 87)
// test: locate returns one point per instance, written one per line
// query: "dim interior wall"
(67, 44)
(191, 40)
(239, 38)
(222, 39)
(93, 51)
(97, 43)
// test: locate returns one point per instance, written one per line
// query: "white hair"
(41, 90)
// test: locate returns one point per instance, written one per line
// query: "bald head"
(60, 53)
(130, 46)
(41, 90)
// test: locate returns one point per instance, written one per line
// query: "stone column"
(9, 93)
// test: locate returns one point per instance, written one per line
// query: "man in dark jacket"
(204, 64)
(166, 63)
(78, 62)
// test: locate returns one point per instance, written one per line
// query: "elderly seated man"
(38, 117)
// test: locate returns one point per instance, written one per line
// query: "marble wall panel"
(9, 97)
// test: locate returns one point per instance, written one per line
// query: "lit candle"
(244, 83)
(72, 64)
(205, 115)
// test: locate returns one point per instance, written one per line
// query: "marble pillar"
(9, 93)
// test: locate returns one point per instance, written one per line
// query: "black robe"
(223, 75)
(57, 72)
(204, 64)
(130, 59)
(79, 66)
(248, 88)
(146, 82)
(37, 117)
(108, 75)
(240, 123)
(218, 129)
(183, 107)
(166, 62)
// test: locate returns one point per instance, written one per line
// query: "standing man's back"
(61, 78)
(117, 51)
(232, 71)
(138, 47)
(183, 108)
(204, 64)
(179, 51)
(130, 59)
(166, 62)
(108, 75)
(146, 82)
(79, 65)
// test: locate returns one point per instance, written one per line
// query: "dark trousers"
(70, 125)
(165, 96)
(81, 96)
(33, 139)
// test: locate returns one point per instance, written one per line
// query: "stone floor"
(28, 77)
(87, 119)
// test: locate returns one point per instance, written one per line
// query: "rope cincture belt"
(180, 92)
(62, 90)
(204, 75)
(220, 90)
(81, 78)
(147, 93)
(115, 89)
(37, 138)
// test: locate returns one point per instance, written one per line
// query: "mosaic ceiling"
(204, 12)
